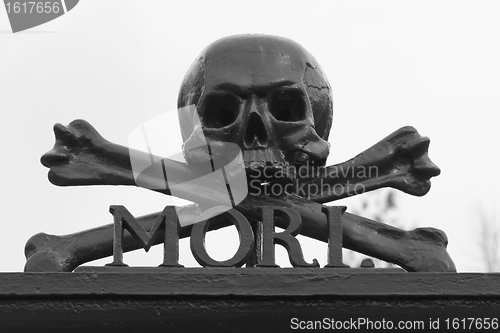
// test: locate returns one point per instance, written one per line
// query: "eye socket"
(288, 105)
(220, 110)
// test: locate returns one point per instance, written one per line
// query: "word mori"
(253, 250)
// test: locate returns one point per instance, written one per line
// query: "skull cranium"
(264, 93)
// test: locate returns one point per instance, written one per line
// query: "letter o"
(246, 241)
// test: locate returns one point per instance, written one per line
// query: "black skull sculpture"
(266, 94)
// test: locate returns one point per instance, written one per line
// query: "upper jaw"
(267, 165)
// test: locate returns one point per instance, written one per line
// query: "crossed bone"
(81, 156)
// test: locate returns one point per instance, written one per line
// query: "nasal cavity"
(256, 130)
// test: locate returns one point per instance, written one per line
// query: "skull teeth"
(260, 158)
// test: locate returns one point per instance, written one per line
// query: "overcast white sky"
(430, 64)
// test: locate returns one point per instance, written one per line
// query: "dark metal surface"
(234, 300)
(255, 281)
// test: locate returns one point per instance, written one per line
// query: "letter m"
(167, 222)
